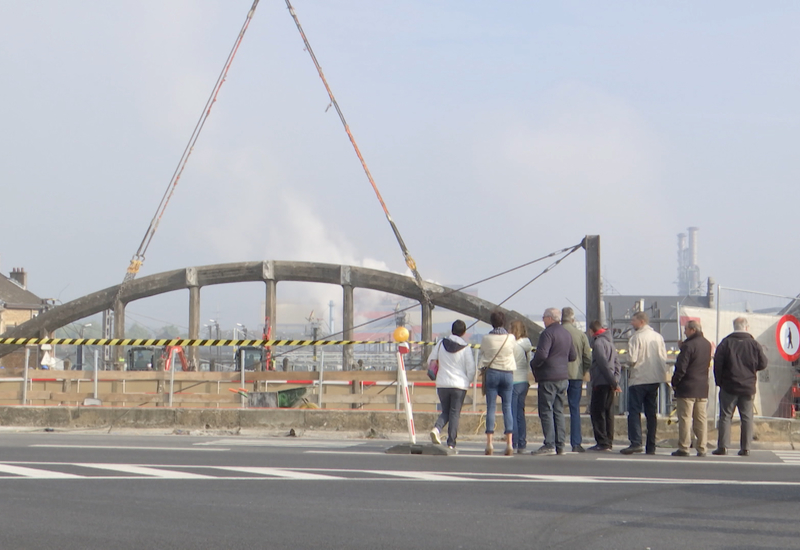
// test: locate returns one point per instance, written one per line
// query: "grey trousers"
(727, 403)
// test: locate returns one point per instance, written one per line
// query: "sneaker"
(452, 449)
(632, 449)
(599, 448)
(719, 451)
(701, 455)
(509, 451)
(578, 449)
(521, 450)
(650, 452)
(559, 450)
(744, 452)
(680, 452)
(489, 451)
(544, 450)
(435, 436)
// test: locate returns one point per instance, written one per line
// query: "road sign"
(787, 336)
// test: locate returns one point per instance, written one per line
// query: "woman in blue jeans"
(522, 350)
(497, 356)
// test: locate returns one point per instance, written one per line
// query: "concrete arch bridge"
(270, 273)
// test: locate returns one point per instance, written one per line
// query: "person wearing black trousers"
(604, 379)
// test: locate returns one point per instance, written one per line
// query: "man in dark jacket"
(604, 378)
(737, 360)
(550, 365)
(690, 383)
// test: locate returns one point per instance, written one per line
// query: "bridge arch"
(270, 273)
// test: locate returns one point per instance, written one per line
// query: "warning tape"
(188, 342)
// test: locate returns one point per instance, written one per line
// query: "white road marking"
(122, 448)
(169, 471)
(418, 476)
(789, 457)
(279, 473)
(34, 473)
(145, 471)
(283, 442)
(716, 461)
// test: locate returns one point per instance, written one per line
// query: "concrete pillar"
(194, 325)
(591, 244)
(119, 332)
(427, 330)
(347, 326)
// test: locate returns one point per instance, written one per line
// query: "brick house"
(17, 305)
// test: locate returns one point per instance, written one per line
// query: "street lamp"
(80, 348)
(244, 329)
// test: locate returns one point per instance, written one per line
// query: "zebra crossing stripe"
(34, 473)
(279, 473)
(145, 471)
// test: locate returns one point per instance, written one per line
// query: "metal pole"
(241, 367)
(319, 386)
(475, 355)
(716, 343)
(171, 376)
(25, 381)
(96, 359)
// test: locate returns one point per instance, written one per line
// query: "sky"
(497, 133)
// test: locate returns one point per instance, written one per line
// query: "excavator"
(156, 358)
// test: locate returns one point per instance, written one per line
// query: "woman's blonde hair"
(518, 330)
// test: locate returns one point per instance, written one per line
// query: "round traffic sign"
(787, 336)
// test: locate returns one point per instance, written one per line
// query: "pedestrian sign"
(787, 336)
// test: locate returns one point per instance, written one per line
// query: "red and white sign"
(787, 336)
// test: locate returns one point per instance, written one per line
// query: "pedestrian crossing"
(788, 457)
(112, 471)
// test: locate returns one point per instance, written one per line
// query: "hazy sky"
(497, 132)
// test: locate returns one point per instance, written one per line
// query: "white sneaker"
(435, 436)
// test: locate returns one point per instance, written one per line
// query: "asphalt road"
(72, 491)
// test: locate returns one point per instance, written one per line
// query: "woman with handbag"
(497, 358)
(522, 351)
(455, 372)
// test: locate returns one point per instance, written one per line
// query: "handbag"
(486, 368)
(433, 367)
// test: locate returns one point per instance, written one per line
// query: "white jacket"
(522, 357)
(647, 357)
(456, 370)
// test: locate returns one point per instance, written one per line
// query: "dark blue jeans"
(452, 400)
(552, 398)
(574, 392)
(519, 439)
(499, 382)
(642, 396)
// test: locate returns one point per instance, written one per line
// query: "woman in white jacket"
(497, 355)
(519, 439)
(456, 372)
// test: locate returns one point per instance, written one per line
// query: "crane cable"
(138, 258)
(412, 265)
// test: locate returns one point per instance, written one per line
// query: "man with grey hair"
(577, 372)
(550, 368)
(690, 382)
(737, 360)
(647, 370)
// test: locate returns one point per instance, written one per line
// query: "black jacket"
(605, 367)
(690, 378)
(739, 356)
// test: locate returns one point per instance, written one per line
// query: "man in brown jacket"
(690, 382)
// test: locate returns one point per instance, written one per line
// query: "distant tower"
(688, 270)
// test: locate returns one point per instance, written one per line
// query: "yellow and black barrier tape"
(187, 342)
(195, 342)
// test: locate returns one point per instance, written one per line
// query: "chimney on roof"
(20, 276)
